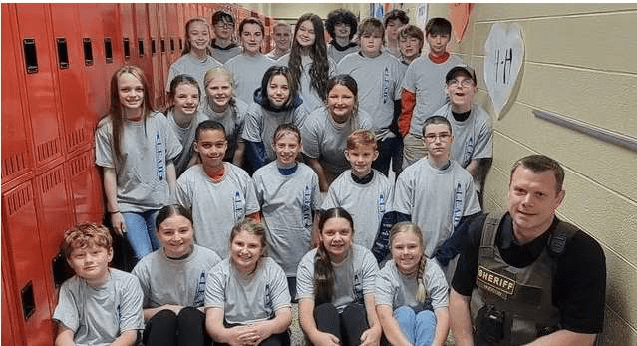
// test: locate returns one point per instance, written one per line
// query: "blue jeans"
(141, 232)
(419, 328)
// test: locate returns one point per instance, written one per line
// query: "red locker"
(41, 101)
(144, 60)
(12, 333)
(17, 158)
(75, 52)
(164, 44)
(158, 70)
(126, 22)
(86, 192)
(19, 230)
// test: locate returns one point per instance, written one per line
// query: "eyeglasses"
(224, 25)
(466, 83)
(444, 137)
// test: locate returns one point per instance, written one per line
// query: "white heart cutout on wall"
(504, 54)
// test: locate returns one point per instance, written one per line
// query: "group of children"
(265, 183)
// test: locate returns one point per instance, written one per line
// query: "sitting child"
(99, 305)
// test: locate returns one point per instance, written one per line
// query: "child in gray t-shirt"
(99, 305)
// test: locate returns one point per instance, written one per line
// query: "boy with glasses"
(436, 194)
(222, 46)
(472, 127)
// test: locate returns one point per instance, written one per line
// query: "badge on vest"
(495, 283)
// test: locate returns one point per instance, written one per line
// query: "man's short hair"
(370, 25)
(541, 164)
(438, 26)
(396, 14)
(412, 31)
(220, 16)
(436, 120)
(86, 234)
(341, 16)
(464, 70)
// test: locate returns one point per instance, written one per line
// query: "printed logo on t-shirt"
(267, 302)
(386, 84)
(381, 206)
(307, 206)
(358, 288)
(458, 204)
(238, 206)
(159, 155)
(200, 290)
(468, 152)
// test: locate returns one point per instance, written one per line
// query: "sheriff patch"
(495, 283)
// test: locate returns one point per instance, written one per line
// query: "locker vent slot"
(108, 50)
(162, 44)
(154, 46)
(77, 137)
(28, 300)
(30, 55)
(48, 149)
(63, 53)
(19, 198)
(50, 180)
(88, 52)
(80, 165)
(13, 164)
(141, 48)
(172, 45)
(126, 48)
(181, 45)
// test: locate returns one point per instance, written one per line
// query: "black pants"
(388, 150)
(282, 339)
(347, 326)
(184, 329)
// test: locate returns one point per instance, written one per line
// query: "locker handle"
(108, 50)
(141, 48)
(30, 55)
(126, 48)
(63, 53)
(154, 46)
(28, 300)
(88, 52)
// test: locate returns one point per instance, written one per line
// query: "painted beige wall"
(580, 62)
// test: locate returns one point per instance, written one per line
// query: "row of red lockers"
(57, 60)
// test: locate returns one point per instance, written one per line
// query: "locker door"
(86, 187)
(159, 83)
(12, 333)
(19, 230)
(17, 159)
(46, 124)
(142, 32)
(126, 20)
(164, 42)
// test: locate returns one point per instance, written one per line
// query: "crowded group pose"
(265, 184)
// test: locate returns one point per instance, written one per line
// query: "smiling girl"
(275, 103)
(335, 285)
(411, 292)
(288, 194)
(173, 279)
(247, 300)
(135, 146)
(218, 193)
(194, 60)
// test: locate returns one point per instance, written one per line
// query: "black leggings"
(282, 339)
(348, 326)
(184, 329)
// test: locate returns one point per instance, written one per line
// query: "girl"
(249, 66)
(218, 193)
(183, 117)
(335, 285)
(288, 194)
(275, 103)
(195, 60)
(308, 61)
(408, 288)
(220, 105)
(327, 128)
(135, 146)
(247, 299)
(173, 279)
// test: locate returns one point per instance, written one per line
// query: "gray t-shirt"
(354, 277)
(337, 55)
(187, 64)
(427, 81)
(175, 281)
(261, 123)
(378, 81)
(186, 136)
(325, 140)
(216, 206)
(472, 138)
(247, 298)
(224, 54)
(141, 174)
(98, 316)
(310, 97)
(232, 120)
(367, 203)
(287, 203)
(247, 72)
(395, 289)
(435, 199)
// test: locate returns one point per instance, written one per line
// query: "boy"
(341, 25)
(472, 127)
(436, 194)
(378, 76)
(362, 191)
(99, 305)
(394, 20)
(222, 46)
(423, 88)
(410, 42)
(282, 34)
